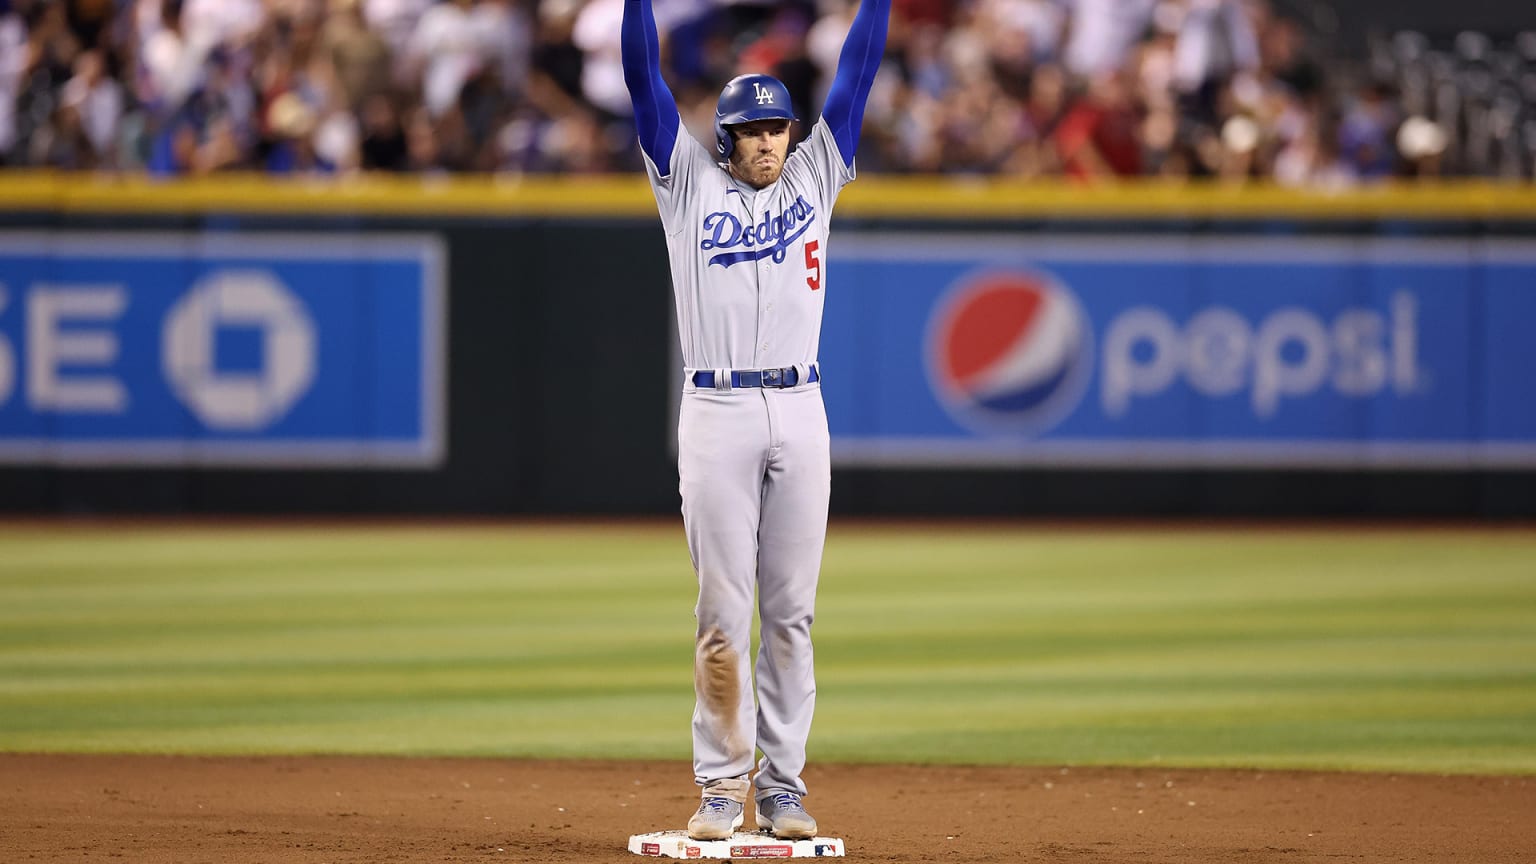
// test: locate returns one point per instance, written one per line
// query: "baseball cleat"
(717, 819)
(785, 816)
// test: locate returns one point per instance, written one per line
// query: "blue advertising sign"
(1130, 351)
(244, 349)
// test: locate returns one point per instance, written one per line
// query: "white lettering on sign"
(51, 346)
(239, 400)
(1290, 353)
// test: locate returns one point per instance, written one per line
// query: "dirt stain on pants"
(717, 681)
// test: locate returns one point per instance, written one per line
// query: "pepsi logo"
(1009, 351)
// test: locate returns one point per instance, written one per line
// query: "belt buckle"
(773, 378)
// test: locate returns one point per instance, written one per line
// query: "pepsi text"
(1289, 353)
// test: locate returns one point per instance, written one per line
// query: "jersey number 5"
(812, 263)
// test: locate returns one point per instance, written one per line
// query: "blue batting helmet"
(747, 98)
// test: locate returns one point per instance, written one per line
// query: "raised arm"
(856, 68)
(656, 116)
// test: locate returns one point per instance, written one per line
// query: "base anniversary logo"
(1009, 351)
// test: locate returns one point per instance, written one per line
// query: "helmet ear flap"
(724, 142)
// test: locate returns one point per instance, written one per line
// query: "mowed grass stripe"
(1411, 651)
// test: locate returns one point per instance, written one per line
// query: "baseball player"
(746, 230)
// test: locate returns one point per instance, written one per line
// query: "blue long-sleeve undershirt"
(656, 117)
(856, 68)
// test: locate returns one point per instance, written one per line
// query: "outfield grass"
(1403, 651)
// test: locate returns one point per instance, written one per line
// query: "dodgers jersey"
(748, 265)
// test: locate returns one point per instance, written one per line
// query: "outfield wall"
(996, 349)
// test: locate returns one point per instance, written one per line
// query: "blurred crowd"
(1083, 88)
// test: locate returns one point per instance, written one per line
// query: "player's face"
(761, 147)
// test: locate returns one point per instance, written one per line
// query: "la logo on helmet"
(764, 95)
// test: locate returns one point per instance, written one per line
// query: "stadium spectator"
(506, 31)
(447, 51)
(170, 67)
(1216, 42)
(383, 146)
(1102, 34)
(596, 33)
(1366, 131)
(1098, 136)
(97, 103)
(395, 20)
(357, 53)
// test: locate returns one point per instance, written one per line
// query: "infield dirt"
(285, 810)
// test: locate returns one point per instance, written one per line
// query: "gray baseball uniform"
(753, 450)
(754, 462)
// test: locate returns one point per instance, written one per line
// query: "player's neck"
(730, 168)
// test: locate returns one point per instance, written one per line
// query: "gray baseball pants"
(755, 475)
